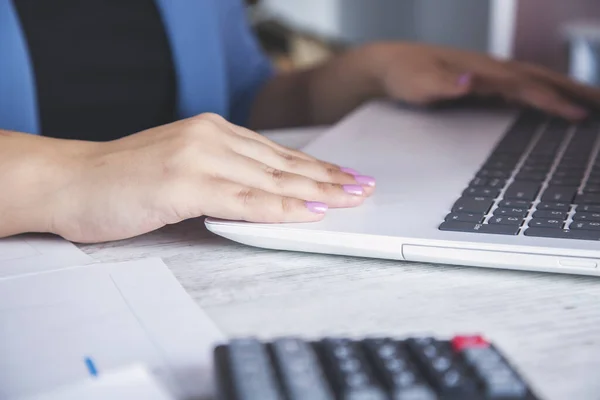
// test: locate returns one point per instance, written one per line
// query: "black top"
(103, 69)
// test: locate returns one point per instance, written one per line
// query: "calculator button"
(252, 374)
(351, 375)
(504, 389)
(499, 381)
(416, 392)
(399, 374)
(300, 371)
(448, 379)
(460, 343)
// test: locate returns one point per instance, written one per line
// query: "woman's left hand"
(423, 75)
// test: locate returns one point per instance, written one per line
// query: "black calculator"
(466, 367)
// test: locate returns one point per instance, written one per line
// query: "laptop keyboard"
(541, 180)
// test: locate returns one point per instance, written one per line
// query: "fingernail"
(316, 207)
(356, 190)
(464, 79)
(365, 180)
(350, 171)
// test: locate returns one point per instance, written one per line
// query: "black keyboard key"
(481, 192)
(349, 383)
(563, 233)
(586, 216)
(300, 370)
(480, 228)
(515, 204)
(497, 183)
(572, 163)
(399, 373)
(499, 165)
(493, 173)
(478, 182)
(542, 163)
(448, 376)
(553, 206)
(586, 208)
(559, 194)
(591, 189)
(465, 217)
(575, 174)
(473, 205)
(511, 212)
(588, 199)
(585, 225)
(568, 172)
(530, 176)
(522, 191)
(565, 182)
(593, 181)
(506, 220)
(550, 214)
(535, 168)
(249, 371)
(546, 223)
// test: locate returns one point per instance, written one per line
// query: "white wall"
(457, 23)
(319, 16)
(461, 23)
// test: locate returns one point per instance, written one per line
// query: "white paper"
(36, 253)
(116, 314)
(129, 383)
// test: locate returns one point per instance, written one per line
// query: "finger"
(255, 174)
(579, 92)
(256, 136)
(315, 170)
(440, 83)
(233, 201)
(547, 99)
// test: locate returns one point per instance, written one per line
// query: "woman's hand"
(195, 167)
(424, 75)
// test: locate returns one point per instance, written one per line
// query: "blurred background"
(560, 34)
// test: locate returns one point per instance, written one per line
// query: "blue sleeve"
(248, 68)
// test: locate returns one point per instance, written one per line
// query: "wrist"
(41, 177)
(367, 61)
(378, 57)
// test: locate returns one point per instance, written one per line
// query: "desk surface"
(548, 324)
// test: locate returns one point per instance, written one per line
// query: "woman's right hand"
(202, 166)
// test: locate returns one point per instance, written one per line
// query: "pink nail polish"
(464, 79)
(317, 207)
(365, 180)
(350, 171)
(356, 190)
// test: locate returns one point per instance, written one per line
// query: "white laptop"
(478, 187)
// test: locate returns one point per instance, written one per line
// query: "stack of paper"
(134, 382)
(54, 323)
(35, 253)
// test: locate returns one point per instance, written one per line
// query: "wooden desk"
(549, 324)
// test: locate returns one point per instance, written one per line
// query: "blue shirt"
(218, 62)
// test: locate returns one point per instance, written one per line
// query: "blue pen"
(91, 367)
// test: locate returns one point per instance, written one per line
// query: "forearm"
(33, 170)
(320, 95)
